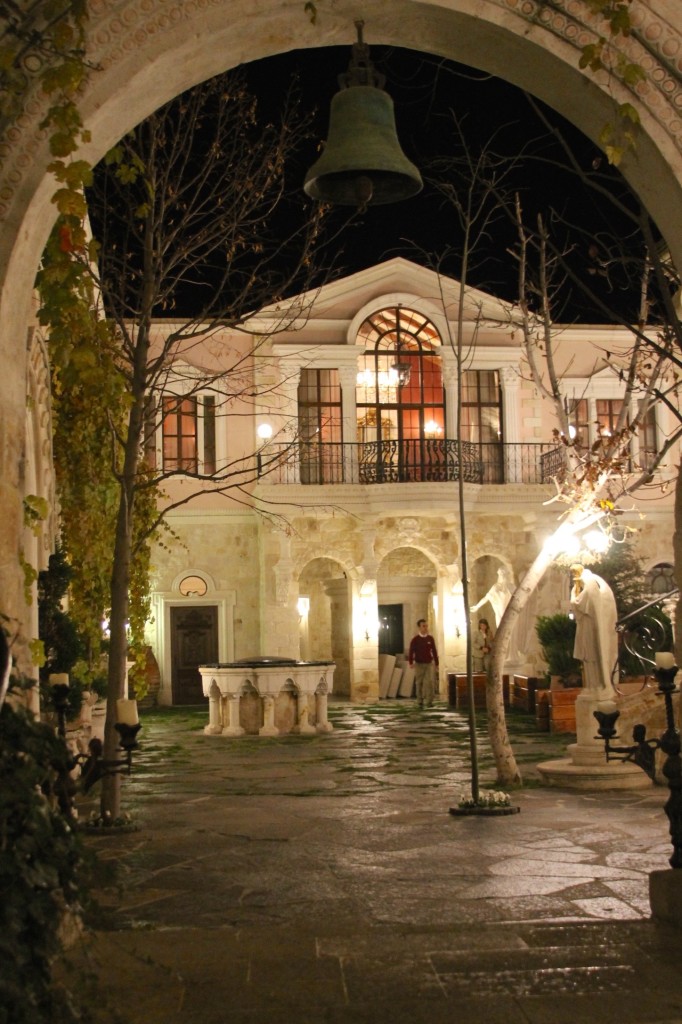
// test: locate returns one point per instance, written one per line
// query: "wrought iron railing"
(643, 633)
(408, 461)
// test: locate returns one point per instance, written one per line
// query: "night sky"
(427, 91)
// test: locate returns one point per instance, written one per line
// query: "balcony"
(430, 460)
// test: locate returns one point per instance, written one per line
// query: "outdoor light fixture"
(643, 751)
(362, 163)
(93, 765)
(402, 372)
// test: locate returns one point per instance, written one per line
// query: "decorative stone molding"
(119, 30)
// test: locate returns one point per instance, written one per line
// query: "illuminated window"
(578, 420)
(180, 433)
(481, 407)
(319, 424)
(648, 438)
(182, 430)
(399, 395)
(608, 411)
(482, 422)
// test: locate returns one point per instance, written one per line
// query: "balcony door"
(482, 421)
(319, 427)
(400, 399)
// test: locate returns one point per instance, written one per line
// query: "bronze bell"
(362, 163)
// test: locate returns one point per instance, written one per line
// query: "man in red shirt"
(424, 656)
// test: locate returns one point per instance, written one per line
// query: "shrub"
(40, 870)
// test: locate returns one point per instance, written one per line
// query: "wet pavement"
(323, 879)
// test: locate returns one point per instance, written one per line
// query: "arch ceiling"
(148, 51)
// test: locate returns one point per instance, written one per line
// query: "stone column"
(233, 728)
(364, 679)
(321, 704)
(511, 429)
(303, 726)
(268, 728)
(348, 376)
(215, 725)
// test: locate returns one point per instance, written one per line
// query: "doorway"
(194, 642)
(391, 639)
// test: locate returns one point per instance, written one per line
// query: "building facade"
(337, 428)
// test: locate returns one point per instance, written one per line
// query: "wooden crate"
(523, 689)
(562, 709)
(461, 692)
(542, 710)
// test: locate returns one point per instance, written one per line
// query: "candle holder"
(643, 751)
(59, 693)
(93, 765)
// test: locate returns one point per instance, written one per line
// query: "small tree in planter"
(556, 634)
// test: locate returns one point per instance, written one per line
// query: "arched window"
(400, 398)
(661, 579)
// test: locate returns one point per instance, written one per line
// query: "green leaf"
(629, 113)
(69, 202)
(62, 144)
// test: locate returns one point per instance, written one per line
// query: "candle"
(664, 659)
(126, 712)
(59, 679)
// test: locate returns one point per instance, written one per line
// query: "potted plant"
(556, 634)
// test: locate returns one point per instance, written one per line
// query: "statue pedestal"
(665, 896)
(586, 766)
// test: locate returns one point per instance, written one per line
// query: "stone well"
(267, 696)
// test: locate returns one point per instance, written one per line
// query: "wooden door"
(194, 642)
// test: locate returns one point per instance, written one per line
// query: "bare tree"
(193, 214)
(594, 482)
(557, 269)
(471, 185)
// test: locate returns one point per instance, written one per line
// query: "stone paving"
(323, 879)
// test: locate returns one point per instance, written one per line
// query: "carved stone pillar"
(268, 728)
(303, 726)
(321, 707)
(348, 376)
(233, 728)
(215, 725)
(511, 429)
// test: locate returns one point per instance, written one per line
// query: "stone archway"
(147, 51)
(324, 625)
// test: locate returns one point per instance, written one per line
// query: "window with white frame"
(597, 411)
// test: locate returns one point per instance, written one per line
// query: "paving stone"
(323, 879)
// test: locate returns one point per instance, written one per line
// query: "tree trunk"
(508, 773)
(118, 650)
(120, 584)
(677, 555)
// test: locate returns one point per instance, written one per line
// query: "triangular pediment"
(403, 277)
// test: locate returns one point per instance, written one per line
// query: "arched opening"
(324, 618)
(148, 53)
(406, 591)
(400, 399)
